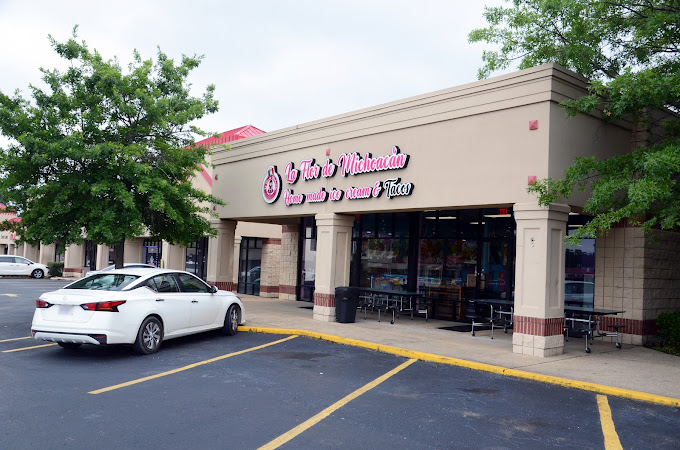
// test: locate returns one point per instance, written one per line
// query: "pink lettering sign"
(289, 198)
(291, 173)
(354, 164)
(310, 171)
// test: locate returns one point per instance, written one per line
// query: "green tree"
(105, 154)
(629, 51)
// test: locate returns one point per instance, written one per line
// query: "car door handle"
(194, 301)
(160, 299)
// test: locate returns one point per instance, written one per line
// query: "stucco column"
(539, 279)
(174, 256)
(271, 261)
(73, 260)
(290, 242)
(333, 247)
(47, 253)
(132, 251)
(102, 256)
(221, 255)
(31, 252)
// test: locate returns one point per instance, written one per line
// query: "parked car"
(138, 306)
(17, 265)
(125, 266)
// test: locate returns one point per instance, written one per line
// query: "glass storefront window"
(250, 260)
(196, 258)
(368, 226)
(495, 267)
(579, 267)
(90, 255)
(384, 225)
(152, 252)
(447, 262)
(384, 264)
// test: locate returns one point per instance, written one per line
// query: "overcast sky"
(274, 63)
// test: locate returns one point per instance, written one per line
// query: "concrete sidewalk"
(633, 368)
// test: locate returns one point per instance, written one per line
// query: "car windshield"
(104, 282)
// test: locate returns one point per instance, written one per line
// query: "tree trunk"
(118, 254)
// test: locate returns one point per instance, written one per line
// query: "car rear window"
(104, 282)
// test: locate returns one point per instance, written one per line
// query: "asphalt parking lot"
(253, 390)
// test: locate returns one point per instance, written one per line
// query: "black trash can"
(346, 302)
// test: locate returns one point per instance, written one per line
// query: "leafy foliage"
(105, 154)
(668, 325)
(629, 51)
(55, 269)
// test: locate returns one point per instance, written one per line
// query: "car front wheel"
(37, 273)
(149, 336)
(231, 321)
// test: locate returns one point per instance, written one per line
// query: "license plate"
(65, 310)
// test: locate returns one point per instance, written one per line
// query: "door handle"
(160, 299)
(194, 301)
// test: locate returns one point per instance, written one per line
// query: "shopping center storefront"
(429, 194)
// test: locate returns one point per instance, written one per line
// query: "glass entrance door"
(307, 275)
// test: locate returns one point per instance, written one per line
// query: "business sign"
(349, 164)
(271, 186)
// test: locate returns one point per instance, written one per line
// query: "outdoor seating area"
(480, 314)
(586, 322)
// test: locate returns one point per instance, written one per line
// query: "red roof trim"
(232, 135)
(206, 175)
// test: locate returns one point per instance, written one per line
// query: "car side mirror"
(213, 289)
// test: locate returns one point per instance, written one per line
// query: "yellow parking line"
(16, 339)
(611, 438)
(190, 366)
(27, 348)
(334, 407)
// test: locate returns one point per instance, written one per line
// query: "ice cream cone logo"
(271, 187)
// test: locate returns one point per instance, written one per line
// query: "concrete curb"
(429, 357)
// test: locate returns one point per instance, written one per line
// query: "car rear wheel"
(149, 336)
(231, 321)
(37, 273)
(69, 345)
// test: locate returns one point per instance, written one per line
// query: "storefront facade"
(427, 194)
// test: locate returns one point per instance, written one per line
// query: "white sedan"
(135, 306)
(17, 265)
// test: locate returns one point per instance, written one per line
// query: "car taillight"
(42, 304)
(102, 306)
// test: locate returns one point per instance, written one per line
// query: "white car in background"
(17, 265)
(138, 306)
(125, 266)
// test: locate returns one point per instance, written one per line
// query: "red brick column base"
(324, 300)
(73, 272)
(290, 290)
(224, 285)
(537, 336)
(269, 289)
(536, 326)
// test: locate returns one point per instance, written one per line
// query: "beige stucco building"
(429, 194)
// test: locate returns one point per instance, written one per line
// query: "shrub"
(668, 325)
(55, 269)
